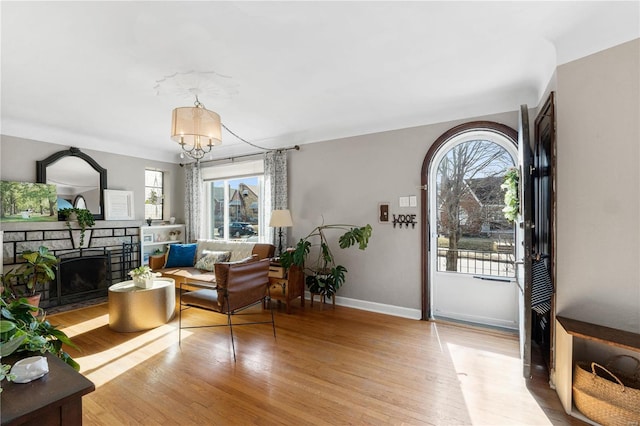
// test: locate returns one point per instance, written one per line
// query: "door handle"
(503, 280)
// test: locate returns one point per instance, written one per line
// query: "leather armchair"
(238, 286)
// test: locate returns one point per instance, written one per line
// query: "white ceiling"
(106, 75)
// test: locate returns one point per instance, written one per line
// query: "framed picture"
(147, 238)
(28, 202)
(118, 205)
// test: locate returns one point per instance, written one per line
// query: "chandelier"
(196, 129)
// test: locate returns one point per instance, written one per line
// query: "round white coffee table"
(133, 308)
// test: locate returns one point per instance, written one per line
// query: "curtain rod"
(289, 148)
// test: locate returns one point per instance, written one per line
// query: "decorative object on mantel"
(511, 197)
(143, 276)
(324, 276)
(76, 172)
(149, 220)
(280, 219)
(84, 218)
(118, 205)
(196, 129)
(28, 202)
(173, 235)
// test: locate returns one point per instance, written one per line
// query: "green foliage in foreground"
(24, 328)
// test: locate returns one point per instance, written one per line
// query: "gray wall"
(598, 188)
(18, 163)
(344, 180)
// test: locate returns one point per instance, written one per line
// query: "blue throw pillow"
(181, 255)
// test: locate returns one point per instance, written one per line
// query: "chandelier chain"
(244, 140)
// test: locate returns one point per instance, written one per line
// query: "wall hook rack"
(404, 219)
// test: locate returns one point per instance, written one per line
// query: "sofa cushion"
(180, 255)
(239, 249)
(210, 258)
(188, 273)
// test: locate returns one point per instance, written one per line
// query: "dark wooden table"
(54, 399)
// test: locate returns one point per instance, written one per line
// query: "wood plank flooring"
(326, 367)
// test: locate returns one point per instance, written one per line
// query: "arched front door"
(469, 247)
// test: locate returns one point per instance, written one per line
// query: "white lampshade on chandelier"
(196, 129)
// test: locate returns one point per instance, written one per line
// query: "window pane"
(217, 209)
(243, 206)
(473, 235)
(234, 208)
(153, 194)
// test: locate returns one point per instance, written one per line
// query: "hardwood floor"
(330, 366)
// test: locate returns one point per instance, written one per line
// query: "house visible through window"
(153, 194)
(233, 202)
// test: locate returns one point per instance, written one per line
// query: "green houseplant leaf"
(84, 218)
(21, 331)
(323, 275)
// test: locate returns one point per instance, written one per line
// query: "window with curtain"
(233, 203)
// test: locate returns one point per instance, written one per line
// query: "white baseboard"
(381, 308)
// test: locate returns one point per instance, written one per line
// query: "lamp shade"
(196, 126)
(280, 219)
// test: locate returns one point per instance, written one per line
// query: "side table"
(54, 399)
(133, 308)
(289, 288)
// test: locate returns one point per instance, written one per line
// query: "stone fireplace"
(83, 273)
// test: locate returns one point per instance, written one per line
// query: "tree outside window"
(470, 200)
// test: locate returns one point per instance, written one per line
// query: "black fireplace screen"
(82, 275)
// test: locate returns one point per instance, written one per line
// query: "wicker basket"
(605, 400)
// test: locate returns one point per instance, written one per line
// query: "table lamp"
(280, 219)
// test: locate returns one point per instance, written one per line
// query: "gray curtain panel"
(193, 197)
(276, 192)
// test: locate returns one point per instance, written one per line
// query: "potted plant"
(37, 270)
(24, 328)
(143, 276)
(324, 276)
(84, 218)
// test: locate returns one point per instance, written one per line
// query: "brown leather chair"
(239, 285)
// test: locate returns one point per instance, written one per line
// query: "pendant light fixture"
(196, 129)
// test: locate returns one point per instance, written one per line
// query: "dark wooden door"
(526, 225)
(544, 207)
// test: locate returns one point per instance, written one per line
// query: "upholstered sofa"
(194, 263)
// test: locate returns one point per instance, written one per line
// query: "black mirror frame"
(41, 171)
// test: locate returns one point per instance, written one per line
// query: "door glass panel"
(473, 235)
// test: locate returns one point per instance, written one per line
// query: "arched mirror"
(80, 181)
